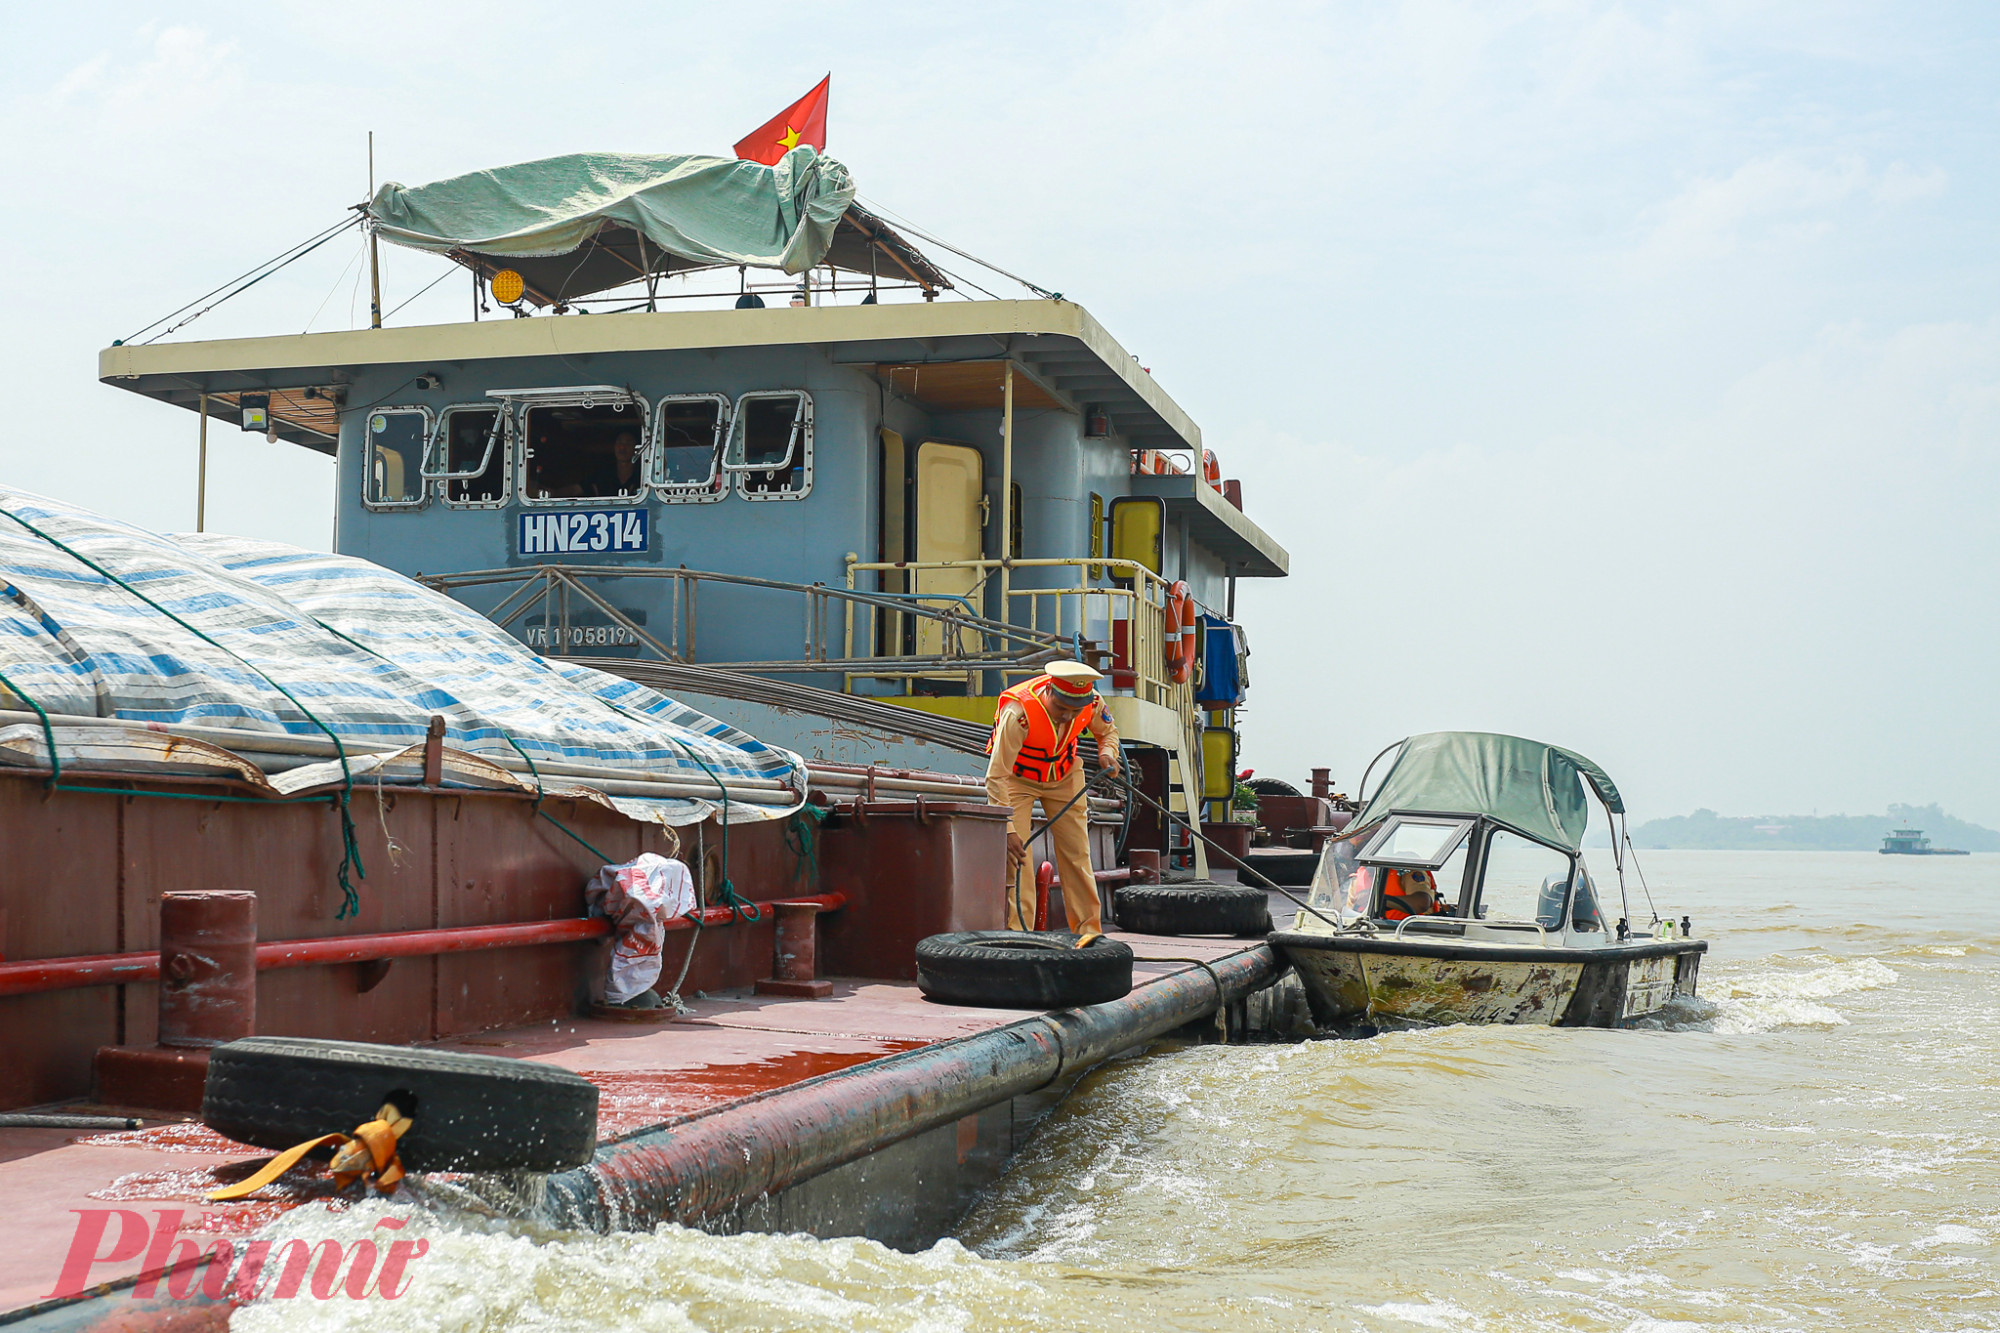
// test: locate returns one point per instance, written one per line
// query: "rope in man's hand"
(1017, 847)
(1241, 866)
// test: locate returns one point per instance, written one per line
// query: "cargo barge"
(737, 587)
(1912, 842)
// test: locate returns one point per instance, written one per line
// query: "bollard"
(208, 995)
(1045, 879)
(434, 751)
(795, 968)
(1145, 865)
(208, 966)
(1322, 783)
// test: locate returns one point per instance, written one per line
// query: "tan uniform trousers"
(1071, 836)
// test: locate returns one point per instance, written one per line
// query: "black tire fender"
(1193, 909)
(470, 1112)
(1019, 969)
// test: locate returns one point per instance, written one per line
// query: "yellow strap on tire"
(272, 1169)
(368, 1153)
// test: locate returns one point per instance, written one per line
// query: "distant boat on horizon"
(1912, 842)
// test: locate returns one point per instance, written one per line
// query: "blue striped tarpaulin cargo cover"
(88, 608)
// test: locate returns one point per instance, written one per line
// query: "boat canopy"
(587, 222)
(1534, 787)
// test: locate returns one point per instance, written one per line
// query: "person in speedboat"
(1407, 893)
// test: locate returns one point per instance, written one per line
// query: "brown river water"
(1813, 1145)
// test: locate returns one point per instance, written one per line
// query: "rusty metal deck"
(733, 1046)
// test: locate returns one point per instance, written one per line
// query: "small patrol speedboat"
(1460, 895)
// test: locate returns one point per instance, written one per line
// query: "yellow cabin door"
(948, 524)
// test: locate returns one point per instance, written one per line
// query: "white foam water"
(1816, 983)
(1765, 1000)
(476, 1275)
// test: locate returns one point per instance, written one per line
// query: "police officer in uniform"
(1033, 752)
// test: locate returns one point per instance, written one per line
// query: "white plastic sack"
(640, 897)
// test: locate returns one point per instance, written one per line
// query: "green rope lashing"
(48, 728)
(740, 908)
(607, 860)
(526, 758)
(350, 850)
(56, 783)
(536, 774)
(173, 795)
(802, 837)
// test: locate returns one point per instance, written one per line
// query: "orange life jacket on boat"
(1045, 756)
(1392, 888)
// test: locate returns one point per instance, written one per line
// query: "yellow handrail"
(1123, 593)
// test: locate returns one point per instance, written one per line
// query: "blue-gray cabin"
(973, 461)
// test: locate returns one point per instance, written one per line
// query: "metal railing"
(1107, 609)
(1115, 609)
(1502, 925)
(574, 614)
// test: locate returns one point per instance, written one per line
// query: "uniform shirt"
(1013, 731)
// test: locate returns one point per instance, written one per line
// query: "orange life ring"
(1211, 469)
(1180, 646)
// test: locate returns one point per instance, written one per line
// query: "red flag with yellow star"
(804, 121)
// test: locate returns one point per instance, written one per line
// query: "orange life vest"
(1045, 756)
(1392, 887)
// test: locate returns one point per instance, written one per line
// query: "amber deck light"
(507, 286)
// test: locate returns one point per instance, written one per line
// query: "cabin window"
(771, 445)
(584, 451)
(1451, 880)
(1415, 840)
(394, 473)
(1524, 881)
(687, 447)
(469, 454)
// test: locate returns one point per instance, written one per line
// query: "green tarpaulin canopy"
(586, 222)
(1536, 788)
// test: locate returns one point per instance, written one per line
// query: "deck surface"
(731, 1046)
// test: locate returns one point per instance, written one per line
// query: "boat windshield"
(1335, 883)
(1345, 886)
(1524, 881)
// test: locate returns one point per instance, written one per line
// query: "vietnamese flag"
(804, 121)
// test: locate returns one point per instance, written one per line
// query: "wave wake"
(1764, 1001)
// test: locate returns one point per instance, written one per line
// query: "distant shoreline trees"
(1807, 833)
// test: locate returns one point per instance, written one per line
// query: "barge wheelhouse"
(885, 507)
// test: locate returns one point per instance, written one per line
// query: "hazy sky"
(1626, 376)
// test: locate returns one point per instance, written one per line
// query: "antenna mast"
(374, 248)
